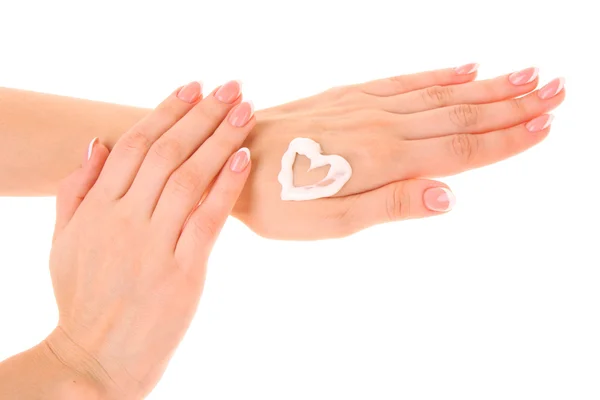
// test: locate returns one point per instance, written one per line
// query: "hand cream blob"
(339, 172)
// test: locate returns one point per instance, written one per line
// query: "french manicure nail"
(439, 199)
(540, 123)
(524, 76)
(90, 150)
(466, 69)
(241, 114)
(240, 160)
(190, 92)
(552, 88)
(229, 92)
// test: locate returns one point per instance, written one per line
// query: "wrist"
(82, 375)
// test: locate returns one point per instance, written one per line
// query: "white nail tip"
(561, 85)
(91, 148)
(536, 71)
(251, 104)
(451, 199)
(245, 150)
(474, 68)
(548, 121)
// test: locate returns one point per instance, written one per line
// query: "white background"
(500, 299)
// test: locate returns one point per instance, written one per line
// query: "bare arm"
(38, 374)
(43, 137)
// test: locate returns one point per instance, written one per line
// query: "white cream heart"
(339, 171)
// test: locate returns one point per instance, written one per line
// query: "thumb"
(415, 198)
(73, 189)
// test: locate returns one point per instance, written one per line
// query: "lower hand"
(131, 242)
(394, 132)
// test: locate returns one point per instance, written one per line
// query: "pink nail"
(229, 92)
(240, 160)
(540, 123)
(524, 76)
(439, 199)
(552, 88)
(90, 150)
(466, 69)
(190, 92)
(241, 114)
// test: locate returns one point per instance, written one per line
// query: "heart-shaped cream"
(339, 171)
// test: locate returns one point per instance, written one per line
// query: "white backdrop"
(499, 299)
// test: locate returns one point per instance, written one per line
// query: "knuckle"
(136, 140)
(399, 83)
(398, 204)
(465, 115)
(167, 150)
(204, 226)
(169, 111)
(517, 107)
(65, 186)
(211, 114)
(225, 145)
(438, 96)
(465, 146)
(186, 180)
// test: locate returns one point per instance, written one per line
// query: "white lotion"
(339, 172)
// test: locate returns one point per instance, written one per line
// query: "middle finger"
(479, 118)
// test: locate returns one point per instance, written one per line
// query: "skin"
(395, 132)
(133, 233)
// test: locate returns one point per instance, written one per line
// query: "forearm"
(43, 137)
(38, 374)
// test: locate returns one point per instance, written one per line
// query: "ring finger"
(453, 154)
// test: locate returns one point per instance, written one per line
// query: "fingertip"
(439, 199)
(97, 153)
(240, 160)
(467, 69)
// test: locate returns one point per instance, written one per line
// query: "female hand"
(394, 132)
(131, 242)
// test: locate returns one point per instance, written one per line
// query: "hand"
(131, 242)
(394, 132)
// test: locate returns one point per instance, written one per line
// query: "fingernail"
(240, 160)
(439, 199)
(552, 88)
(241, 114)
(90, 150)
(229, 92)
(524, 76)
(466, 69)
(540, 123)
(190, 92)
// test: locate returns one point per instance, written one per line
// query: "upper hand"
(133, 234)
(394, 132)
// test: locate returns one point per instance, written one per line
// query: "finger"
(406, 83)
(416, 198)
(478, 92)
(189, 182)
(76, 186)
(129, 151)
(473, 118)
(205, 223)
(179, 143)
(449, 155)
